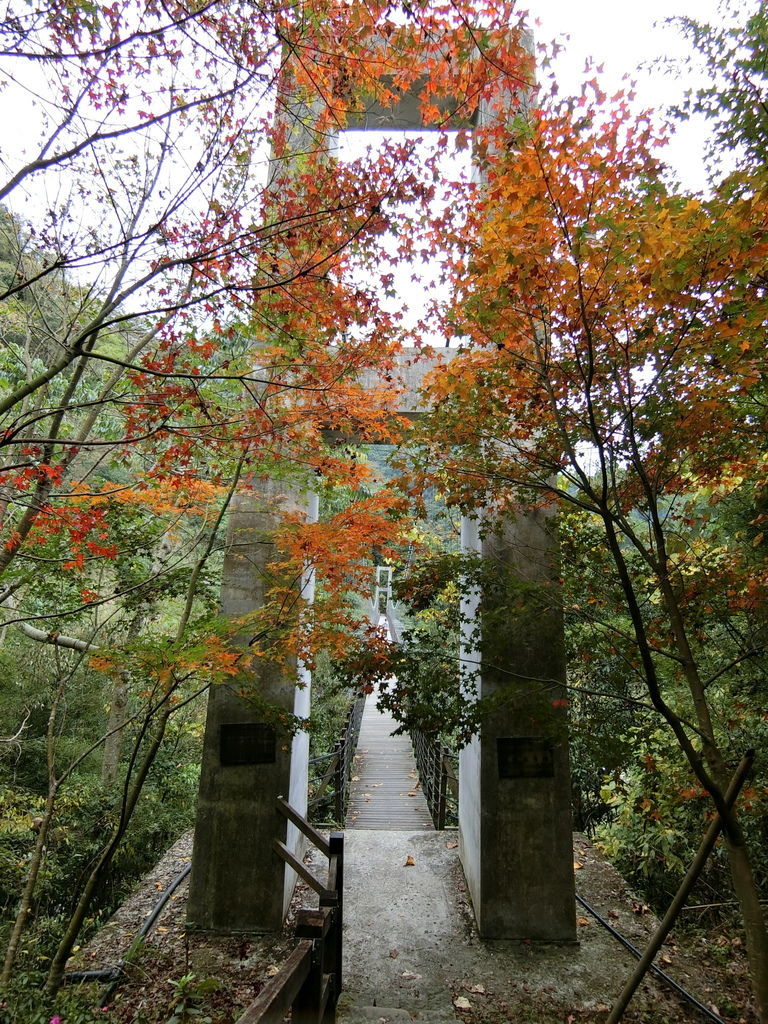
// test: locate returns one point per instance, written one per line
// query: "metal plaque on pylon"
(247, 743)
(525, 757)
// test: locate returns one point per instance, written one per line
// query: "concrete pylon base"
(514, 792)
(238, 883)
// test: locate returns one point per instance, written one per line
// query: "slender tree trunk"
(713, 776)
(134, 788)
(753, 917)
(59, 962)
(33, 871)
(118, 710)
(677, 904)
(38, 854)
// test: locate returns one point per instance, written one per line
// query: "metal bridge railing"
(330, 773)
(438, 772)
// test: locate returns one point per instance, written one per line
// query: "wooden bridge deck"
(385, 792)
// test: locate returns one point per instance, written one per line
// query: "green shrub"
(660, 817)
(25, 1003)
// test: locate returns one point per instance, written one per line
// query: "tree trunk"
(113, 745)
(133, 789)
(38, 855)
(25, 905)
(59, 962)
(677, 904)
(713, 777)
(753, 917)
(118, 707)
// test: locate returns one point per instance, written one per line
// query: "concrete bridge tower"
(514, 813)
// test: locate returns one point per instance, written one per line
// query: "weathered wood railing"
(333, 771)
(309, 982)
(438, 774)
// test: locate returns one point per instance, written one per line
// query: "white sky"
(622, 36)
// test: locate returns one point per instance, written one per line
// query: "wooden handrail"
(303, 826)
(275, 999)
(297, 865)
(308, 982)
(314, 1002)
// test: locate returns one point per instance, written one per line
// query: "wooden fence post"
(309, 1005)
(336, 843)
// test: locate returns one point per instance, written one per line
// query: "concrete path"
(411, 948)
(404, 933)
(412, 953)
(385, 791)
(399, 874)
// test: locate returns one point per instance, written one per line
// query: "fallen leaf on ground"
(411, 794)
(410, 976)
(582, 920)
(409, 862)
(577, 865)
(451, 846)
(394, 953)
(477, 988)
(462, 1003)
(272, 970)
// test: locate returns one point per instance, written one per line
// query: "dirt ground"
(217, 978)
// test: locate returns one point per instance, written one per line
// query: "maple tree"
(182, 318)
(613, 359)
(225, 317)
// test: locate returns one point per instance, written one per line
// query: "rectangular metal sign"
(247, 743)
(525, 757)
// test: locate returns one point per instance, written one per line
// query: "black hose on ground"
(653, 968)
(114, 974)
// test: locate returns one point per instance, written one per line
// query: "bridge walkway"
(385, 792)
